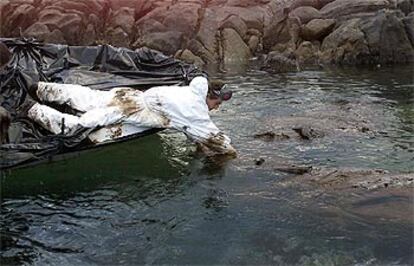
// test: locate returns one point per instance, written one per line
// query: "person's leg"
(78, 97)
(52, 119)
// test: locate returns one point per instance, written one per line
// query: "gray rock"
(343, 8)
(237, 24)
(234, 49)
(168, 42)
(300, 3)
(305, 14)
(373, 40)
(189, 57)
(317, 29)
(307, 53)
(278, 63)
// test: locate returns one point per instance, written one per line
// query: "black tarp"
(100, 67)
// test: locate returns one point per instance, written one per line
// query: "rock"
(253, 43)
(182, 18)
(373, 40)
(234, 49)
(168, 42)
(387, 39)
(317, 29)
(276, 62)
(346, 45)
(19, 18)
(118, 37)
(305, 14)
(270, 136)
(70, 24)
(189, 57)
(38, 30)
(406, 6)
(293, 169)
(343, 8)
(123, 18)
(198, 48)
(307, 132)
(207, 33)
(149, 26)
(253, 16)
(307, 54)
(236, 24)
(409, 27)
(301, 3)
(276, 33)
(259, 161)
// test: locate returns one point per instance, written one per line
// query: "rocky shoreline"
(288, 34)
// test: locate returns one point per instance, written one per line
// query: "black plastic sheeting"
(99, 67)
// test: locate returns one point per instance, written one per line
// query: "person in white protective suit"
(124, 111)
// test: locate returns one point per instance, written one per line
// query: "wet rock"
(307, 53)
(234, 49)
(378, 39)
(307, 132)
(270, 136)
(278, 63)
(317, 29)
(259, 161)
(292, 169)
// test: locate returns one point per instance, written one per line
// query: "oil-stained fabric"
(182, 108)
(101, 67)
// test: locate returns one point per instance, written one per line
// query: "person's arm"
(209, 139)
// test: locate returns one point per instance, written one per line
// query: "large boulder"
(234, 49)
(317, 29)
(235, 23)
(182, 18)
(344, 8)
(305, 14)
(387, 39)
(378, 39)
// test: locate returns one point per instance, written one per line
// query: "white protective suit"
(125, 111)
